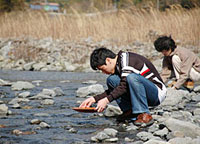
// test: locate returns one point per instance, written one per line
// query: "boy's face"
(109, 67)
(167, 52)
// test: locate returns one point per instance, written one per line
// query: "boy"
(133, 82)
(184, 63)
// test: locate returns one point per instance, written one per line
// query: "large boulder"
(90, 90)
(187, 128)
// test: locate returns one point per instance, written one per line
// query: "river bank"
(30, 54)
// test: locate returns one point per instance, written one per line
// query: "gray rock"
(162, 132)
(58, 91)
(90, 90)
(111, 139)
(3, 109)
(197, 88)
(40, 96)
(196, 98)
(101, 136)
(144, 135)
(47, 102)
(16, 106)
(44, 125)
(173, 97)
(38, 66)
(153, 141)
(24, 94)
(5, 83)
(18, 100)
(21, 85)
(196, 111)
(131, 127)
(111, 132)
(73, 130)
(112, 111)
(178, 140)
(35, 121)
(189, 129)
(48, 92)
(28, 66)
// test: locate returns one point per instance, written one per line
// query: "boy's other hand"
(88, 102)
(101, 105)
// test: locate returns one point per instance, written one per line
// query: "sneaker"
(144, 119)
(127, 115)
(189, 84)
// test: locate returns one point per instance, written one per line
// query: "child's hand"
(88, 102)
(101, 105)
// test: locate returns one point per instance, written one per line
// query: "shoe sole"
(144, 124)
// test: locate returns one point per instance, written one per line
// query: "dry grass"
(120, 27)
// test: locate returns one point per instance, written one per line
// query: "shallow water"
(60, 115)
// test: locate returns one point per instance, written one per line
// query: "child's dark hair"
(164, 43)
(98, 57)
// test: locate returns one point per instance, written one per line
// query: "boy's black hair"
(98, 57)
(164, 43)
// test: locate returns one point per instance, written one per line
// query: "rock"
(44, 125)
(197, 88)
(38, 66)
(47, 102)
(144, 135)
(131, 127)
(24, 94)
(178, 140)
(111, 132)
(35, 121)
(58, 91)
(28, 66)
(189, 129)
(162, 132)
(100, 137)
(196, 111)
(16, 106)
(90, 90)
(69, 67)
(111, 139)
(40, 96)
(112, 111)
(18, 132)
(4, 83)
(127, 139)
(18, 100)
(20, 85)
(73, 130)
(48, 92)
(153, 141)
(3, 109)
(173, 97)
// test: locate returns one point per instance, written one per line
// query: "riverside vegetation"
(36, 104)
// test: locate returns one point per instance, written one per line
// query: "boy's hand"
(101, 105)
(88, 102)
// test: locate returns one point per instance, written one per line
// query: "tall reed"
(121, 27)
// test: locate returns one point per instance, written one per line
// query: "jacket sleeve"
(185, 66)
(101, 96)
(166, 70)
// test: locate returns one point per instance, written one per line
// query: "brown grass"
(122, 27)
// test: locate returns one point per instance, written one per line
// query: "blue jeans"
(141, 93)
